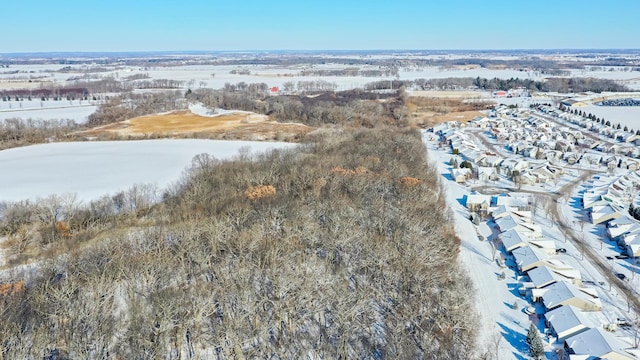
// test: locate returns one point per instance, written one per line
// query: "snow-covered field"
(625, 115)
(215, 76)
(79, 114)
(76, 110)
(93, 169)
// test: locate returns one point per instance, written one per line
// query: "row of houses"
(569, 306)
(490, 166)
(607, 201)
(627, 142)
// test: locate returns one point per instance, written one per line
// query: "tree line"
(354, 108)
(555, 84)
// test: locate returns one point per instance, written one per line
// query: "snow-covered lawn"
(79, 114)
(76, 110)
(494, 298)
(623, 115)
(93, 169)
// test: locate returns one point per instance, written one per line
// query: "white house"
(604, 213)
(512, 240)
(595, 343)
(567, 321)
(461, 175)
(563, 293)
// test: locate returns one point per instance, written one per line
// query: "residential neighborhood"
(553, 193)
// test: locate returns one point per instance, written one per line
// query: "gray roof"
(559, 292)
(507, 222)
(596, 342)
(566, 318)
(525, 256)
(542, 276)
(512, 239)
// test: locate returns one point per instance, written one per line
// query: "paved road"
(490, 146)
(630, 294)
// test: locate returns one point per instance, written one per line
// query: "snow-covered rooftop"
(512, 239)
(567, 318)
(598, 343)
(560, 292)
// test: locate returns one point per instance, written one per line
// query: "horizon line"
(106, 52)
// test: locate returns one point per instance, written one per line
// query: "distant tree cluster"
(387, 71)
(349, 108)
(18, 132)
(563, 85)
(634, 211)
(127, 106)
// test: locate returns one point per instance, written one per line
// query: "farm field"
(93, 169)
(237, 124)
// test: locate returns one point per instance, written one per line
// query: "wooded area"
(341, 248)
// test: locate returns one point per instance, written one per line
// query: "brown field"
(20, 84)
(429, 111)
(237, 125)
(448, 94)
(460, 116)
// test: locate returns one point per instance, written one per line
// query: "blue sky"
(144, 25)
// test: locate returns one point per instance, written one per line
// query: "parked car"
(622, 256)
(621, 276)
(561, 251)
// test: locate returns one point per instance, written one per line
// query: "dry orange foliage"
(259, 192)
(318, 184)
(12, 288)
(409, 181)
(360, 170)
(63, 229)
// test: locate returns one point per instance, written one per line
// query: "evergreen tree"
(536, 347)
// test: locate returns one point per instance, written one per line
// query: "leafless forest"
(342, 248)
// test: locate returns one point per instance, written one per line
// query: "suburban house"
(478, 203)
(487, 173)
(631, 243)
(566, 321)
(512, 239)
(554, 271)
(595, 343)
(603, 213)
(563, 293)
(526, 258)
(461, 175)
(543, 244)
(542, 276)
(522, 224)
(621, 226)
